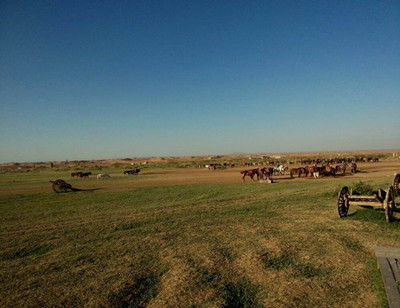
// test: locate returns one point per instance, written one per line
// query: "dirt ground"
(232, 175)
(153, 176)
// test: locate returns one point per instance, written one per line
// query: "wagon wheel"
(396, 184)
(60, 186)
(343, 202)
(390, 204)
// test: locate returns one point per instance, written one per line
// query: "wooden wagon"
(382, 199)
(396, 183)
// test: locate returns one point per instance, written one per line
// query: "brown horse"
(353, 167)
(132, 172)
(342, 168)
(296, 171)
(312, 169)
(82, 174)
(329, 170)
(212, 167)
(267, 172)
(309, 170)
(251, 174)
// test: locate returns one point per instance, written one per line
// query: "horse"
(132, 172)
(342, 168)
(76, 174)
(298, 171)
(103, 176)
(267, 172)
(84, 174)
(314, 170)
(280, 170)
(306, 171)
(251, 174)
(329, 170)
(309, 170)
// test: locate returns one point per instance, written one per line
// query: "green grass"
(219, 245)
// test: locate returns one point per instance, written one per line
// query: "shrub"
(361, 188)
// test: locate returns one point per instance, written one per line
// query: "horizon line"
(200, 155)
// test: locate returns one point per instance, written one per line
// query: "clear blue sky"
(113, 79)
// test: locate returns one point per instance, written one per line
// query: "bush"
(361, 188)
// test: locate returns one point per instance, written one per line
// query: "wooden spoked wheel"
(390, 204)
(60, 186)
(396, 184)
(343, 202)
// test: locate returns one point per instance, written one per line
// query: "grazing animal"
(103, 176)
(251, 174)
(212, 167)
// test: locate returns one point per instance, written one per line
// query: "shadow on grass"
(82, 190)
(25, 252)
(240, 294)
(373, 215)
(236, 290)
(138, 293)
(352, 243)
(290, 260)
(144, 285)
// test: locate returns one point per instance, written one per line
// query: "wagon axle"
(383, 199)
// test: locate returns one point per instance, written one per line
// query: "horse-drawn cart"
(382, 199)
(396, 184)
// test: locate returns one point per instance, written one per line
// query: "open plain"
(180, 236)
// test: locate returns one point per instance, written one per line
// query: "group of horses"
(80, 174)
(103, 175)
(314, 170)
(323, 170)
(263, 172)
(338, 160)
(132, 172)
(215, 166)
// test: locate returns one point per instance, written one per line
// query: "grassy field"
(181, 238)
